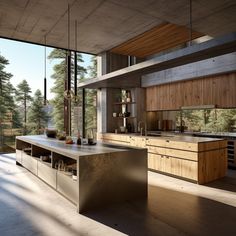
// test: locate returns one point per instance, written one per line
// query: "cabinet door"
(176, 166)
(67, 186)
(189, 169)
(47, 174)
(155, 162)
(18, 156)
(26, 160)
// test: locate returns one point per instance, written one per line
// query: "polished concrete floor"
(174, 207)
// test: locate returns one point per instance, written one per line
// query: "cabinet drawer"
(47, 174)
(117, 137)
(67, 186)
(193, 156)
(26, 160)
(18, 156)
(137, 141)
(181, 145)
(156, 150)
(156, 142)
(29, 163)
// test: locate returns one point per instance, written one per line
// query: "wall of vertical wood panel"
(216, 90)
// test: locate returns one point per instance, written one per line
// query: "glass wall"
(208, 120)
(90, 112)
(23, 110)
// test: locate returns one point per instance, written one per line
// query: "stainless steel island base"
(106, 174)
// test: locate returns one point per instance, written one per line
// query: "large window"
(208, 120)
(24, 111)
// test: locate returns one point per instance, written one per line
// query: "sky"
(26, 61)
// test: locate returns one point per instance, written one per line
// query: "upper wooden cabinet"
(218, 90)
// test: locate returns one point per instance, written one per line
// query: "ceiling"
(105, 24)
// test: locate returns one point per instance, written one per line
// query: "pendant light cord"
(190, 23)
(45, 72)
(45, 57)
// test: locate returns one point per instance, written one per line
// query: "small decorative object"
(61, 135)
(128, 96)
(91, 138)
(69, 140)
(114, 114)
(122, 129)
(51, 133)
(61, 165)
(126, 114)
(79, 139)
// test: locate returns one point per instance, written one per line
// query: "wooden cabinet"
(137, 141)
(115, 138)
(187, 157)
(201, 162)
(216, 90)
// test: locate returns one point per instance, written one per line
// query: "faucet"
(140, 129)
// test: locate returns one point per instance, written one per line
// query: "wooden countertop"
(178, 138)
(72, 150)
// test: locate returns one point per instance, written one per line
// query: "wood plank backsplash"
(215, 90)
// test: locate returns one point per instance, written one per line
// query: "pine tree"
(37, 116)
(9, 118)
(90, 99)
(23, 97)
(11, 105)
(59, 77)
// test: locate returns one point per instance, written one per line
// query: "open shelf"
(123, 103)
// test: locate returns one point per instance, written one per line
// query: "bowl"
(122, 129)
(51, 133)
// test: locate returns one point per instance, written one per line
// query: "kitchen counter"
(71, 150)
(106, 173)
(198, 159)
(171, 136)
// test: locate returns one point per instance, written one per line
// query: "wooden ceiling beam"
(159, 38)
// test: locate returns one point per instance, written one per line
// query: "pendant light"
(190, 23)
(68, 93)
(75, 64)
(45, 72)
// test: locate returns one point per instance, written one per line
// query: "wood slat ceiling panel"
(160, 38)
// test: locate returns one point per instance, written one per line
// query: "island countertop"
(172, 137)
(105, 173)
(72, 150)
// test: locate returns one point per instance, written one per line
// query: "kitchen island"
(197, 159)
(102, 174)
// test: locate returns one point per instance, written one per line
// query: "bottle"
(90, 137)
(78, 139)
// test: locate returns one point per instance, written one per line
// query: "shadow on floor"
(168, 211)
(227, 183)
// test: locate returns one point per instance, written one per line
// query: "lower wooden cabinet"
(190, 158)
(174, 166)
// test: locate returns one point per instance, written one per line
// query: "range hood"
(200, 107)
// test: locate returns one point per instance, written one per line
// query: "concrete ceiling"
(104, 24)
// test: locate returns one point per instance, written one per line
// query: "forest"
(22, 112)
